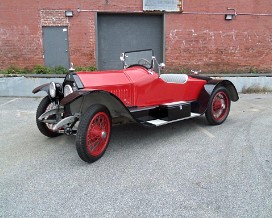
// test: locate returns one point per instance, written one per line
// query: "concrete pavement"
(186, 169)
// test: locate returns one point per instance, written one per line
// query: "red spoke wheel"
(93, 133)
(219, 106)
(46, 129)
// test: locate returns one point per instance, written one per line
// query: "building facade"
(214, 36)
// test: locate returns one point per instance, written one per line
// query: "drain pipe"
(222, 13)
(252, 14)
(181, 6)
(80, 10)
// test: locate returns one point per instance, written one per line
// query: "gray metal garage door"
(124, 32)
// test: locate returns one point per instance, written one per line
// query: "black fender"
(209, 87)
(79, 101)
(44, 87)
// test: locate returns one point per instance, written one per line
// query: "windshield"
(140, 57)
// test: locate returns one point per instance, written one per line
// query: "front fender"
(74, 96)
(79, 101)
(44, 87)
(209, 87)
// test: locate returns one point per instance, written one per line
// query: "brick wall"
(20, 34)
(210, 43)
(193, 40)
(53, 18)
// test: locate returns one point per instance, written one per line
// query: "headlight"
(52, 90)
(67, 90)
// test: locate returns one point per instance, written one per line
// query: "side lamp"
(231, 15)
(69, 13)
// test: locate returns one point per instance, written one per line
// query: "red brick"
(193, 41)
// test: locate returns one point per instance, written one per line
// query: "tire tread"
(41, 125)
(208, 113)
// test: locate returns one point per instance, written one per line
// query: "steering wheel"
(144, 62)
(138, 65)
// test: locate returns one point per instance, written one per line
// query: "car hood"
(98, 79)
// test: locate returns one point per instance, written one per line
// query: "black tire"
(219, 106)
(44, 129)
(93, 134)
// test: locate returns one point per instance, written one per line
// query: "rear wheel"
(218, 107)
(93, 133)
(47, 129)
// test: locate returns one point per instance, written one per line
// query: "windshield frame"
(136, 56)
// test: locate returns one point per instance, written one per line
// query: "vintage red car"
(89, 103)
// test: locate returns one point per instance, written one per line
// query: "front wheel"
(93, 133)
(47, 129)
(218, 107)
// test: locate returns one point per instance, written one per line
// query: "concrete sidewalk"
(22, 86)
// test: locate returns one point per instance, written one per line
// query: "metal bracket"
(65, 121)
(51, 112)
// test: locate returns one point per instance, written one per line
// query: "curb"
(63, 75)
(22, 85)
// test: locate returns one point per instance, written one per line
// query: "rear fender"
(208, 89)
(80, 101)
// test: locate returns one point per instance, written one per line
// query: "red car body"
(137, 87)
(89, 103)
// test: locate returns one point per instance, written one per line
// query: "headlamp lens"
(67, 90)
(52, 90)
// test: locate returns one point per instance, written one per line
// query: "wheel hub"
(219, 106)
(98, 134)
(103, 135)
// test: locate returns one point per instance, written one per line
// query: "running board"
(163, 114)
(159, 122)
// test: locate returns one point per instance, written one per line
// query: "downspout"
(181, 6)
